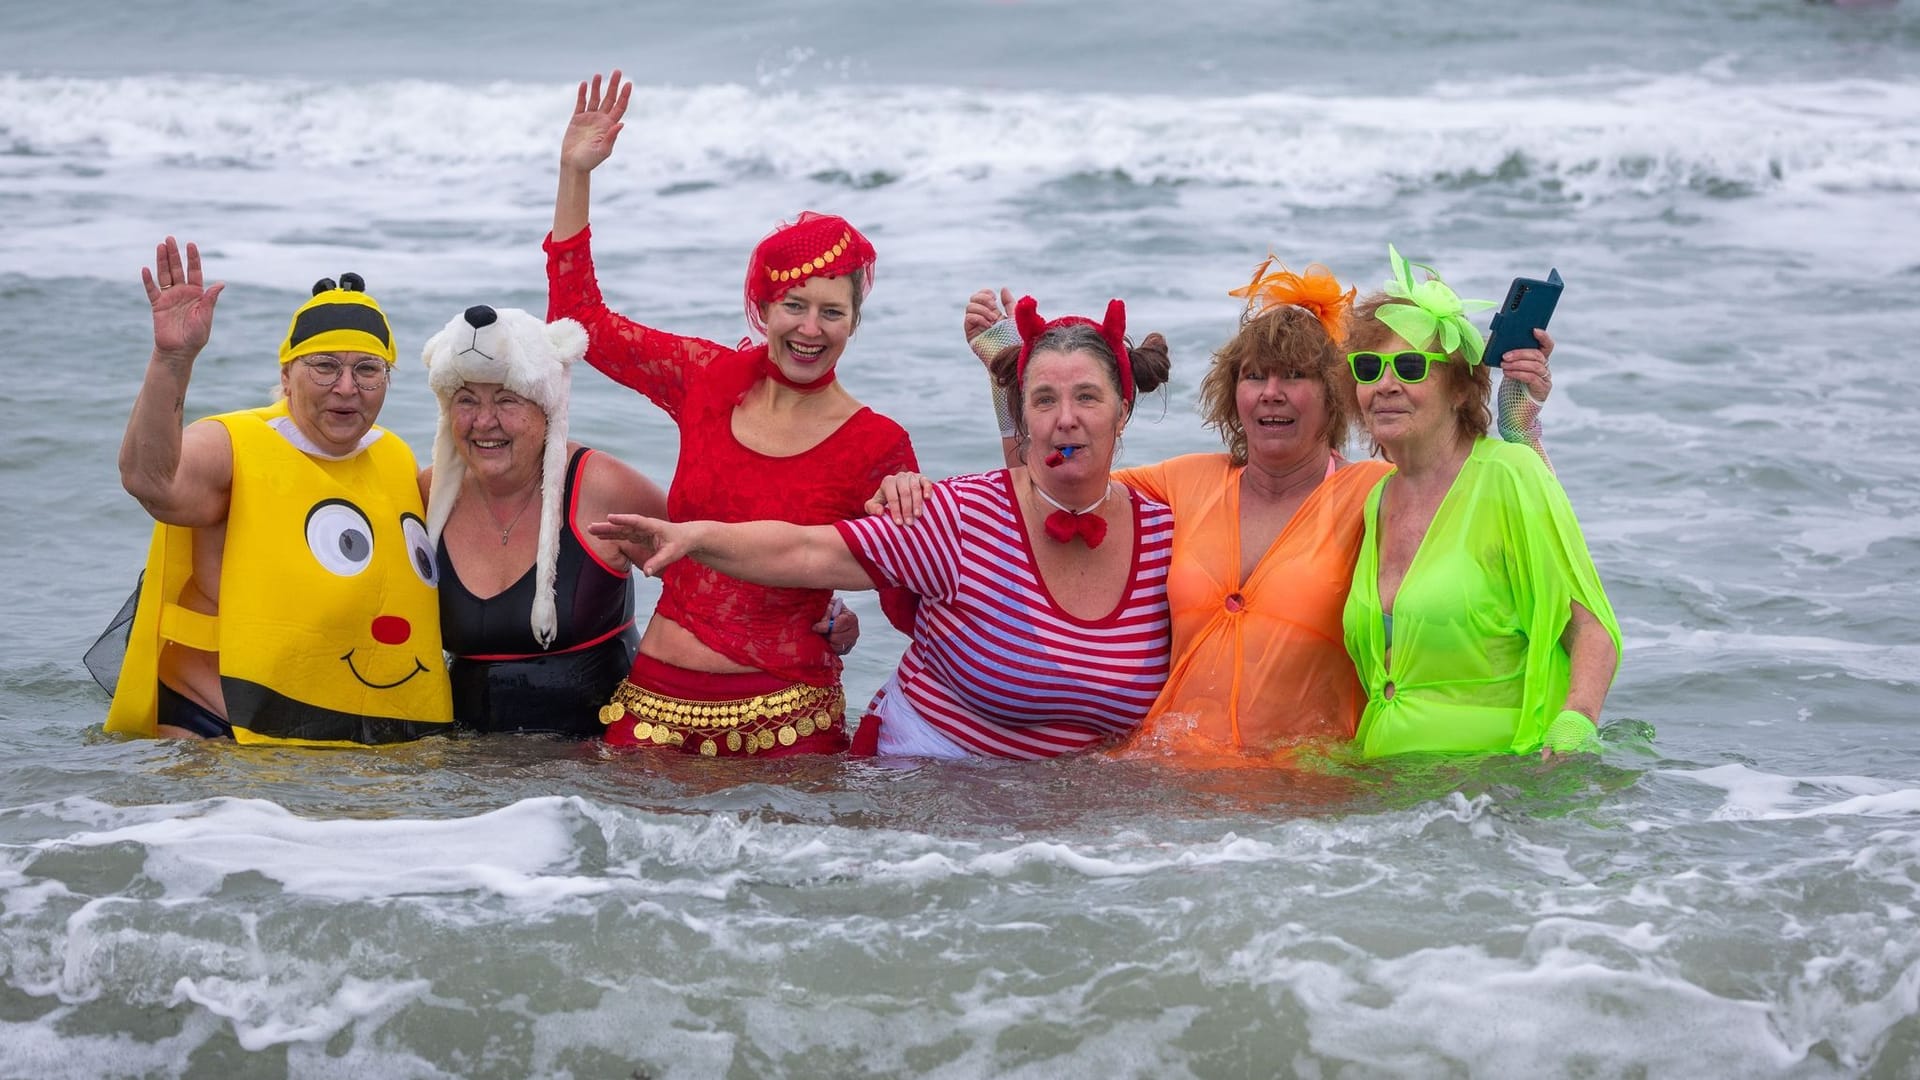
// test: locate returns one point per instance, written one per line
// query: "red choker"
(772, 371)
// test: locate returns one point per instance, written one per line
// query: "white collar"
(292, 433)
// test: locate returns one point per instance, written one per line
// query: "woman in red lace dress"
(766, 431)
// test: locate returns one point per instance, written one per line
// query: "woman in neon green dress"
(1476, 620)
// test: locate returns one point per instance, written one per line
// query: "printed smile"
(418, 668)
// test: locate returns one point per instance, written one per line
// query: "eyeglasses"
(1408, 367)
(367, 374)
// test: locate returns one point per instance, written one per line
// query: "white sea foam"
(1897, 664)
(1627, 134)
(522, 853)
(436, 153)
(1761, 796)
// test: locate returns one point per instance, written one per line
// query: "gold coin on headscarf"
(805, 726)
(787, 735)
(662, 735)
(679, 738)
(766, 740)
(733, 742)
(822, 719)
(612, 713)
(642, 731)
(708, 748)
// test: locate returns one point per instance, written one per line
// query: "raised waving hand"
(182, 305)
(596, 123)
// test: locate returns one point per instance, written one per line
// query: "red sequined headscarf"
(815, 245)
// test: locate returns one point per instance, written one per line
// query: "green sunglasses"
(1408, 367)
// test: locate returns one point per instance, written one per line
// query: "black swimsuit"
(502, 679)
(178, 710)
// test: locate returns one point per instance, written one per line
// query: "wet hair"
(1150, 362)
(1474, 413)
(1288, 341)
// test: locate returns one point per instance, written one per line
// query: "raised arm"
(654, 362)
(989, 331)
(589, 139)
(1525, 382)
(180, 478)
(775, 553)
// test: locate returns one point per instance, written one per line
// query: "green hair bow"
(1431, 312)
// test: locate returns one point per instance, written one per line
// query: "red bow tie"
(1063, 525)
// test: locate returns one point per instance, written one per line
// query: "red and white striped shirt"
(995, 664)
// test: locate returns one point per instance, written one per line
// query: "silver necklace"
(507, 530)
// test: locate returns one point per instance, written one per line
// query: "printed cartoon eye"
(419, 552)
(340, 536)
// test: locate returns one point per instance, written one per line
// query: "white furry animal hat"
(534, 359)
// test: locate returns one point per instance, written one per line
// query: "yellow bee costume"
(329, 627)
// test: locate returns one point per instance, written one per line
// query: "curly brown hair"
(1474, 413)
(1288, 341)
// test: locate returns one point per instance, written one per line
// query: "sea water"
(1729, 188)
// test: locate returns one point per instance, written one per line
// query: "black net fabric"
(109, 650)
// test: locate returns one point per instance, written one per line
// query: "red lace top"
(699, 383)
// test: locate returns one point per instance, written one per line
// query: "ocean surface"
(1731, 190)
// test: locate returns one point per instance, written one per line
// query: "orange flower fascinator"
(1317, 290)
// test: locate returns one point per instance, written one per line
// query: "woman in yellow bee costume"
(289, 594)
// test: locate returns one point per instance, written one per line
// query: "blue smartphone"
(1528, 306)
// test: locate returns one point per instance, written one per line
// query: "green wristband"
(1571, 732)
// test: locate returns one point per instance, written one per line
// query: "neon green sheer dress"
(1477, 662)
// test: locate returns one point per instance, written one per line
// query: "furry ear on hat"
(533, 359)
(569, 339)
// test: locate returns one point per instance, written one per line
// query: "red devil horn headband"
(1113, 330)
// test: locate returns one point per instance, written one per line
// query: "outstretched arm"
(181, 479)
(775, 553)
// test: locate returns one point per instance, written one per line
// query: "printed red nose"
(391, 630)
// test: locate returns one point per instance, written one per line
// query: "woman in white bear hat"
(537, 614)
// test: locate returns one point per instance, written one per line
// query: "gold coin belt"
(747, 725)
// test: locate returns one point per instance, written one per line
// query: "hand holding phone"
(1528, 306)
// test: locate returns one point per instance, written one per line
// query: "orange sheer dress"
(1258, 665)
